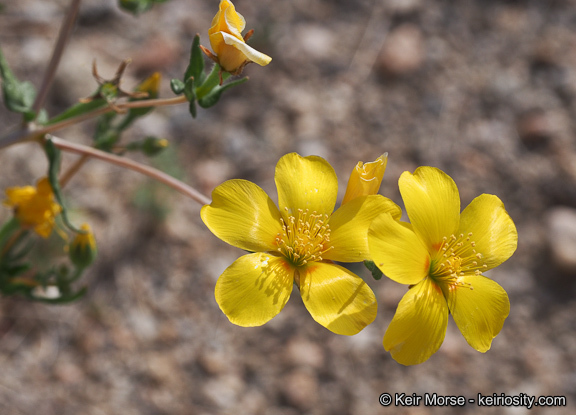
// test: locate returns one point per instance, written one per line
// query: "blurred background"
(483, 89)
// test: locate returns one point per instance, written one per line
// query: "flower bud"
(230, 48)
(151, 85)
(82, 249)
(153, 146)
(365, 179)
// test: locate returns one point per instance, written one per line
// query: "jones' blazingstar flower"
(366, 178)
(295, 245)
(442, 254)
(34, 207)
(230, 49)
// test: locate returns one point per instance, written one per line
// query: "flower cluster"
(34, 207)
(441, 254)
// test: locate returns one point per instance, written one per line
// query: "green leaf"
(177, 86)
(7, 230)
(376, 273)
(192, 108)
(210, 82)
(196, 65)
(18, 96)
(214, 95)
(54, 156)
(189, 90)
(78, 109)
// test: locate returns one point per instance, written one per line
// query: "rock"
(301, 389)
(403, 51)
(534, 129)
(302, 352)
(561, 223)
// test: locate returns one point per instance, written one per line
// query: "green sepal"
(195, 67)
(214, 95)
(54, 156)
(177, 86)
(18, 96)
(376, 273)
(82, 256)
(78, 109)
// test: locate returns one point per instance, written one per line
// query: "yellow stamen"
(304, 238)
(456, 258)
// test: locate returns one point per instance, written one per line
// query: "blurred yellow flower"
(295, 244)
(150, 85)
(34, 207)
(442, 254)
(366, 178)
(230, 48)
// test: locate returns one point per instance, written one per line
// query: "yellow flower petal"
(366, 178)
(432, 203)
(336, 298)
(254, 289)
(492, 229)
(419, 325)
(34, 207)
(248, 52)
(305, 183)
(397, 250)
(230, 58)
(227, 20)
(479, 307)
(349, 227)
(243, 215)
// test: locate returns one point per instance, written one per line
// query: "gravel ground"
(483, 89)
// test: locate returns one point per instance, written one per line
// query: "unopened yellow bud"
(230, 48)
(82, 249)
(366, 178)
(153, 145)
(151, 85)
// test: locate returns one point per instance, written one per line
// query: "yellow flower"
(83, 248)
(442, 255)
(232, 52)
(34, 207)
(365, 179)
(295, 244)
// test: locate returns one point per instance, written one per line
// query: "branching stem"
(132, 165)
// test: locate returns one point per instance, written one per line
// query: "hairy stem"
(132, 165)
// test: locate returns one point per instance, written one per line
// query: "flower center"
(457, 256)
(304, 238)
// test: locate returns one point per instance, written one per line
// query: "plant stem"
(29, 134)
(63, 36)
(132, 165)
